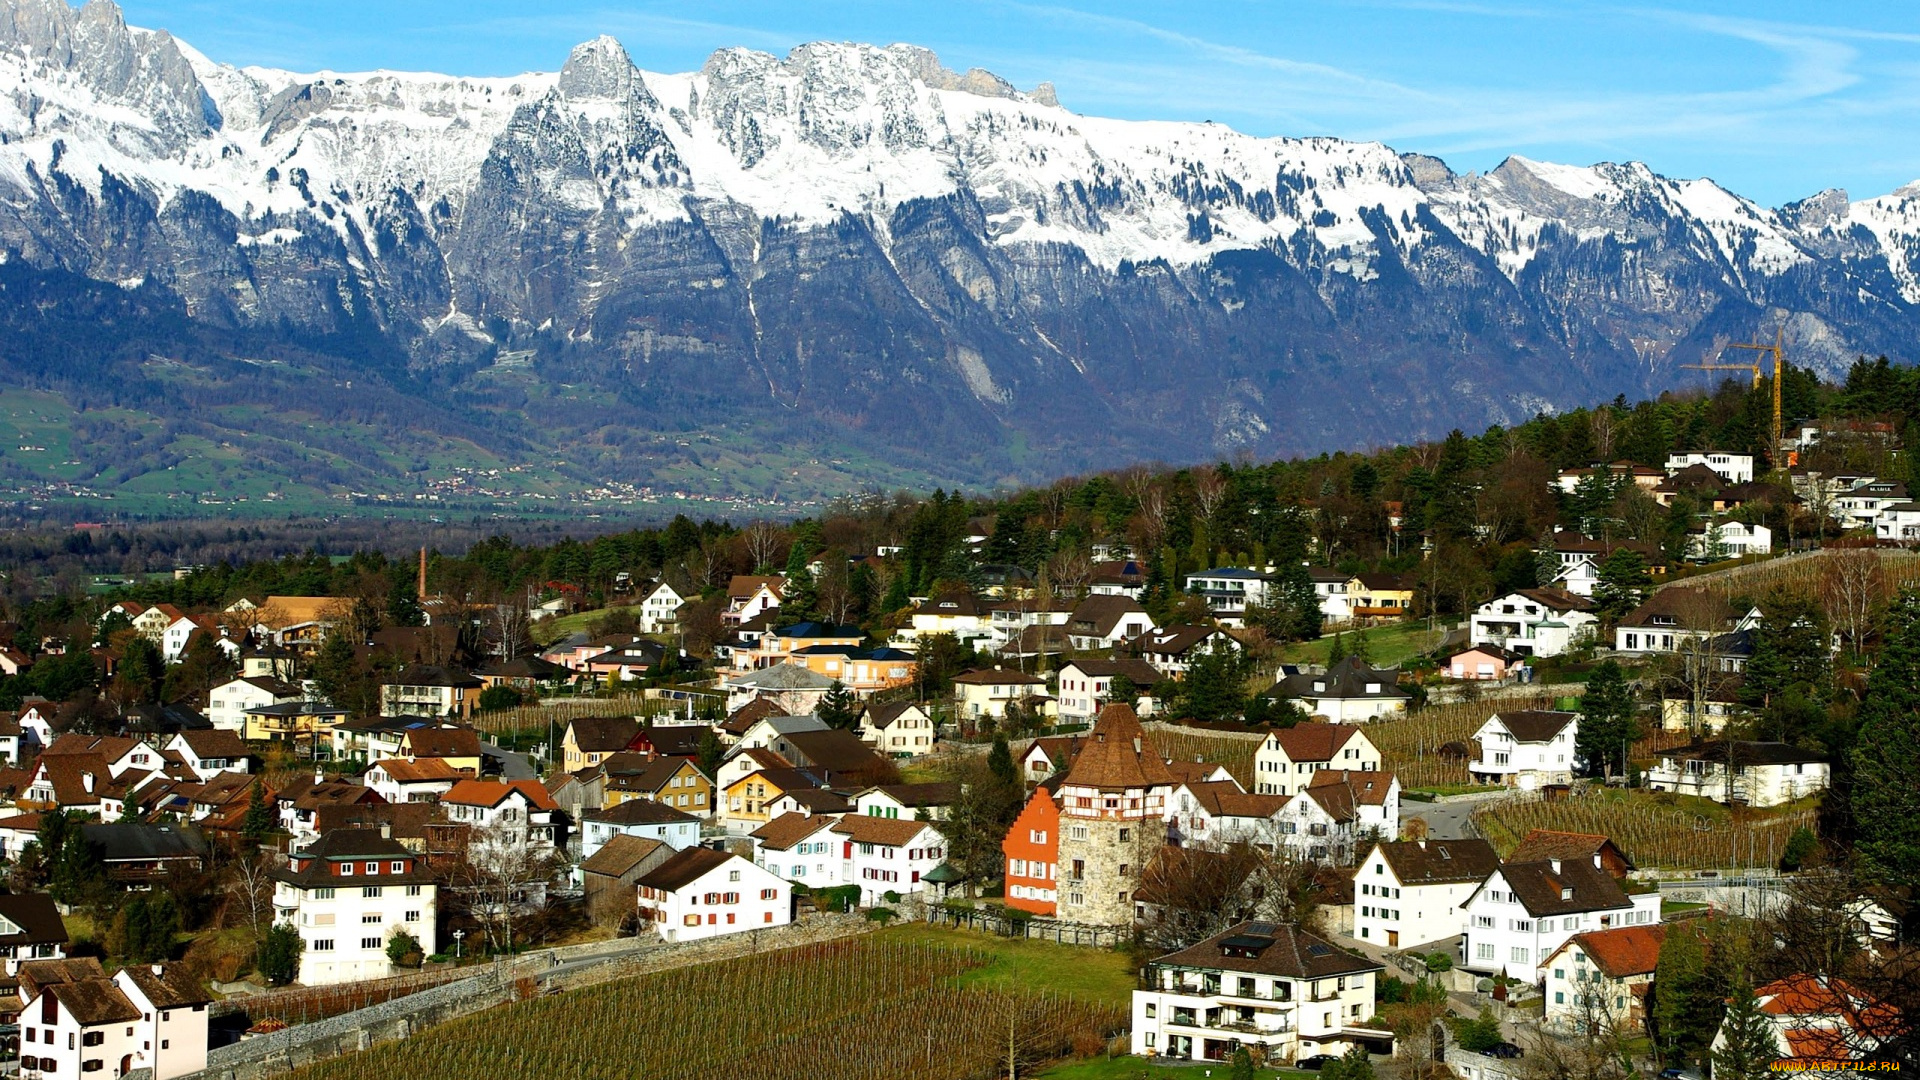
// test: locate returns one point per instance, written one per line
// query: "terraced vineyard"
(1654, 829)
(847, 1010)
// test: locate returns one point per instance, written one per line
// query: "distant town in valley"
(1582, 750)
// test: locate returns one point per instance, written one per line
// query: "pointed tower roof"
(1116, 755)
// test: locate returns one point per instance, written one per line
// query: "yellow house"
(1380, 596)
(747, 798)
(674, 782)
(295, 722)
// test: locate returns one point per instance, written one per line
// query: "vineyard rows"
(845, 1010)
(1652, 832)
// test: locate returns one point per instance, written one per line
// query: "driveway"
(1451, 818)
(512, 766)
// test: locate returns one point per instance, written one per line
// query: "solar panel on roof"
(1319, 950)
(1265, 929)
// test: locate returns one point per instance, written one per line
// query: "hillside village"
(1326, 784)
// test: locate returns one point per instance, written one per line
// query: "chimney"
(319, 775)
(423, 573)
(386, 830)
(157, 969)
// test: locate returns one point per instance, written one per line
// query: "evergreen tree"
(1000, 761)
(1242, 1066)
(1607, 721)
(1622, 582)
(1748, 1046)
(279, 955)
(1215, 687)
(403, 606)
(837, 708)
(259, 820)
(1546, 561)
(1337, 651)
(896, 597)
(1789, 652)
(1121, 690)
(79, 873)
(1679, 981)
(800, 598)
(1886, 756)
(711, 752)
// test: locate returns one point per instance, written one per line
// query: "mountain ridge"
(854, 245)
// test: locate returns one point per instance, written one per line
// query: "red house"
(1032, 848)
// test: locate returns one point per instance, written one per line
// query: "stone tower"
(1112, 820)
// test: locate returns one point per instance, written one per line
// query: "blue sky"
(1774, 100)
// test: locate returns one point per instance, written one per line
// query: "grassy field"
(1387, 646)
(873, 1008)
(1096, 975)
(1655, 829)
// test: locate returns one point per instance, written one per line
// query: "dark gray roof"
(639, 812)
(142, 843)
(1534, 725)
(1434, 862)
(1261, 948)
(1347, 679)
(1744, 753)
(686, 866)
(36, 916)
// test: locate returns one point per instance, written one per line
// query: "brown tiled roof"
(170, 988)
(1682, 608)
(443, 742)
(744, 717)
(1223, 798)
(214, 743)
(928, 793)
(764, 758)
(1627, 950)
(1558, 599)
(789, 829)
(621, 854)
(1548, 844)
(110, 747)
(1314, 742)
(836, 750)
(1440, 862)
(1369, 788)
(421, 770)
(1098, 615)
(36, 916)
(1278, 949)
(743, 586)
(37, 975)
(95, 1001)
(1172, 640)
(1576, 886)
(654, 777)
(1744, 753)
(1336, 799)
(998, 677)
(1117, 755)
(69, 775)
(1534, 725)
(888, 832)
(956, 603)
(1193, 772)
(638, 812)
(603, 734)
(818, 800)
(881, 717)
(684, 867)
(408, 820)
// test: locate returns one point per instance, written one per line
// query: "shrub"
(882, 915)
(500, 697)
(1439, 961)
(1479, 1034)
(403, 949)
(890, 896)
(279, 957)
(1801, 847)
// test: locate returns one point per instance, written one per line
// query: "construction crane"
(1779, 365)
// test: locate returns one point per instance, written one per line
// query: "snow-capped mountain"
(927, 261)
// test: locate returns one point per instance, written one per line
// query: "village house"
(808, 802)
(1676, 619)
(429, 690)
(1484, 663)
(1381, 596)
(778, 644)
(1031, 848)
(1331, 820)
(1172, 650)
(303, 725)
(511, 812)
(1009, 619)
(1525, 911)
(30, 929)
(660, 608)
(75, 1020)
(932, 800)
(701, 893)
(1599, 850)
(1534, 622)
(1764, 773)
(1288, 759)
(671, 781)
(1899, 522)
(528, 674)
(803, 849)
(590, 739)
(1349, 692)
(227, 704)
(1048, 755)
(749, 597)
(611, 875)
(300, 800)
(793, 687)
(1085, 685)
(1733, 468)
(1526, 748)
(1409, 892)
(1231, 590)
(1214, 812)
(959, 613)
(1818, 1017)
(1101, 623)
(348, 892)
(1603, 976)
(637, 818)
(1728, 540)
(630, 661)
(744, 762)
(748, 800)
(898, 729)
(1330, 588)
(1118, 577)
(404, 780)
(837, 757)
(1617, 472)
(864, 671)
(1717, 705)
(1579, 558)
(208, 753)
(985, 694)
(1270, 985)
(884, 855)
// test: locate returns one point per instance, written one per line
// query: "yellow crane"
(1777, 349)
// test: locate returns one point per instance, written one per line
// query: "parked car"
(1314, 1062)
(1680, 1074)
(1503, 1050)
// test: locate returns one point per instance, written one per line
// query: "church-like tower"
(1112, 820)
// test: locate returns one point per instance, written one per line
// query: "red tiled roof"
(493, 792)
(1628, 950)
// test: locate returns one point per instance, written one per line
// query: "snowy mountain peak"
(600, 69)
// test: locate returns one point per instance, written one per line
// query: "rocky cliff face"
(858, 243)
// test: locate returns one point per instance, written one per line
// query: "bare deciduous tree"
(1852, 583)
(1191, 893)
(763, 540)
(250, 886)
(501, 877)
(1209, 490)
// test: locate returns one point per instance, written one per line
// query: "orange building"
(1032, 848)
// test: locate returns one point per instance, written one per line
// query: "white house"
(1328, 820)
(1764, 773)
(1085, 684)
(402, 780)
(1103, 622)
(74, 1020)
(1733, 468)
(1673, 617)
(1219, 812)
(208, 753)
(660, 610)
(898, 729)
(1900, 522)
(1603, 976)
(1173, 649)
(512, 811)
(701, 893)
(1257, 984)
(1730, 540)
(1409, 892)
(1525, 911)
(644, 818)
(1860, 504)
(1534, 622)
(348, 893)
(930, 800)
(227, 704)
(803, 849)
(885, 855)
(1333, 589)
(1287, 760)
(1821, 1017)
(1526, 748)
(1230, 590)
(1349, 692)
(985, 694)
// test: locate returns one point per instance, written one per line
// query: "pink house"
(1490, 662)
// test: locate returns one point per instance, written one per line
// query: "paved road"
(512, 766)
(1448, 819)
